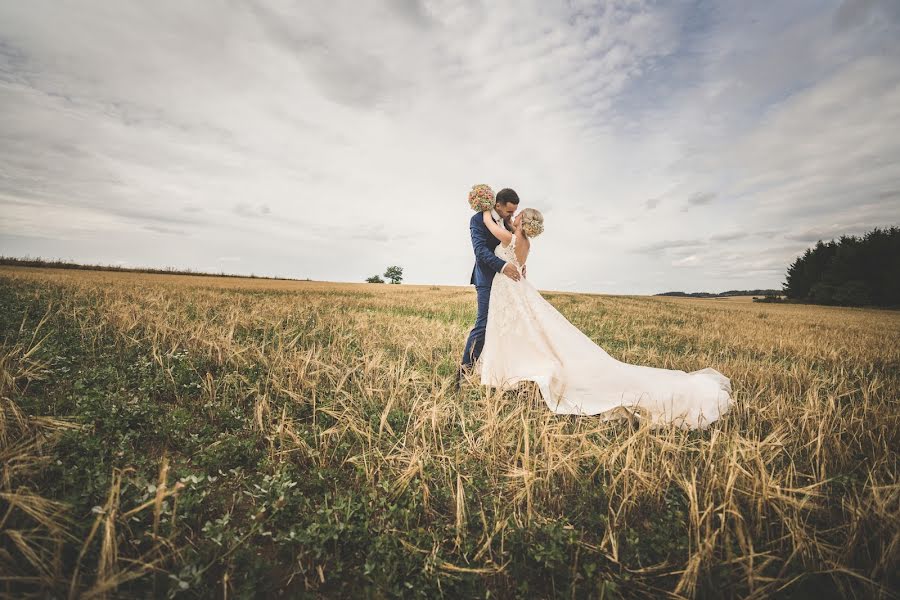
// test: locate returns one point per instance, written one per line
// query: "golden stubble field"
(794, 492)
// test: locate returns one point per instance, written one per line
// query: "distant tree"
(850, 272)
(394, 273)
(374, 279)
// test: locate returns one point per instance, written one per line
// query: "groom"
(487, 264)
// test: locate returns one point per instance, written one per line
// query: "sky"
(693, 146)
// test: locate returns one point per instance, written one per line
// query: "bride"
(527, 339)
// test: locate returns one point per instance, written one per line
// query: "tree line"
(722, 295)
(58, 263)
(852, 271)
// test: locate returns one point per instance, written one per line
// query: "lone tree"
(375, 279)
(394, 273)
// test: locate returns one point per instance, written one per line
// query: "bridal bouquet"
(481, 197)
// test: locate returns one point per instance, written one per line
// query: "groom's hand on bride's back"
(511, 271)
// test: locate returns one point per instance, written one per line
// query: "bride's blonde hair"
(532, 222)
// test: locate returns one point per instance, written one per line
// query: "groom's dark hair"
(507, 195)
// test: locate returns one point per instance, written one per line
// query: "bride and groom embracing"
(519, 336)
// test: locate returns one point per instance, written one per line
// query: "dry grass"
(800, 480)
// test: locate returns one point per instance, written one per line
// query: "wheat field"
(178, 436)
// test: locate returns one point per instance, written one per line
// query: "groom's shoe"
(461, 375)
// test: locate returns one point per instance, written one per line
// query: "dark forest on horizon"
(852, 271)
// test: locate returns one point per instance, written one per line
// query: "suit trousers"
(475, 343)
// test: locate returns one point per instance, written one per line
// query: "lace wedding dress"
(527, 339)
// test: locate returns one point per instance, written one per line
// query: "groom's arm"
(483, 254)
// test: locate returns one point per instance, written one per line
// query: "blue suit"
(487, 264)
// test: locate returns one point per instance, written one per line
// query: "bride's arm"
(500, 233)
(523, 245)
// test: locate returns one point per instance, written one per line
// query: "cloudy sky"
(697, 146)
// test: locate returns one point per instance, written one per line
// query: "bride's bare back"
(522, 244)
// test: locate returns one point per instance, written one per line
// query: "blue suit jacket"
(487, 264)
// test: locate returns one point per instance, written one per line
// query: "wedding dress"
(527, 339)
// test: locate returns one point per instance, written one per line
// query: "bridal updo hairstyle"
(532, 222)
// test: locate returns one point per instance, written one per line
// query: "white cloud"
(329, 139)
(687, 261)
